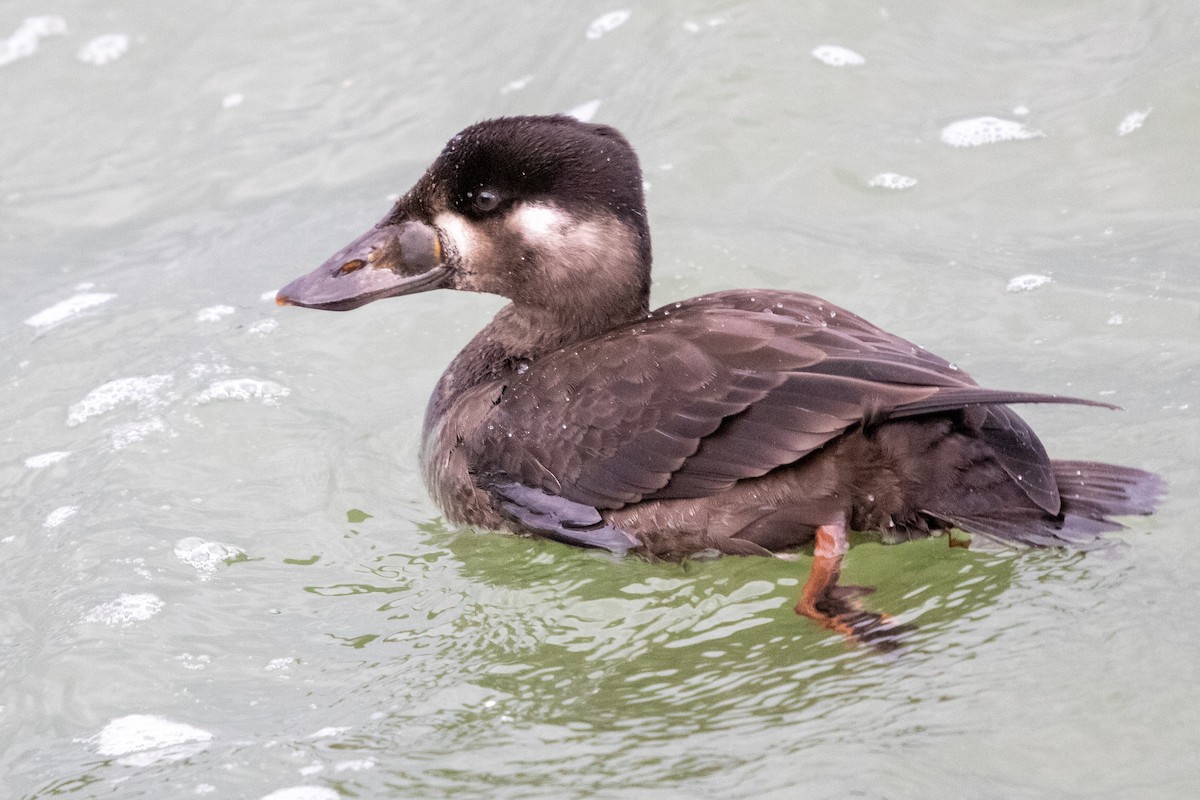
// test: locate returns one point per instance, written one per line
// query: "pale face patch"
(540, 224)
(459, 233)
(572, 245)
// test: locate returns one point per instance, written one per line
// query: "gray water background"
(236, 561)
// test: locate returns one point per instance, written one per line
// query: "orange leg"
(834, 607)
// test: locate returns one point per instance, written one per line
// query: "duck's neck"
(518, 336)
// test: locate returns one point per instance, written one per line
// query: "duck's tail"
(1092, 494)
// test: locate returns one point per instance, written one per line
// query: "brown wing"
(723, 388)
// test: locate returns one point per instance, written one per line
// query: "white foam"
(192, 662)
(125, 610)
(204, 556)
(1027, 283)
(134, 432)
(68, 308)
(213, 313)
(354, 765)
(263, 327)
(892, 180)
(233, 100)
(216, 367)
(325, 733)
(243, 389)
(585, 111)
(59, 515)
(986, 130)
(144, 739)
(24, 41)
(836, 56)
(516, 85)
(1132, 121)
(104, 49)
(142, 391)
(303, 793)
(607, 23)
(46, 459)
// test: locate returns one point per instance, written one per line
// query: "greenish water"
(199, 568)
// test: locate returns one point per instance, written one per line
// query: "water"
(223, 577)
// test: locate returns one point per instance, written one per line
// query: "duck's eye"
(485, 200)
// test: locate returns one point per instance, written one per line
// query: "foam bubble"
(836, 56)
(192, 662)
(325, 733)
(1027, 283)
(986, 130)
(608, 22)
(263, 327)
(892, 180)
(59, 515)
(133, 432)
(585, 111)
(46, 459)
(232, 100)
(243, 389)
(125, 610)
(24, 41)
(104, 49)
(303, 793)
(516, 85)
(144, 739)
(1132, 121)
(205, 556)
(213, 313)
(68, 308)
(142, 391)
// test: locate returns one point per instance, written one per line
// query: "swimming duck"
(744, 422)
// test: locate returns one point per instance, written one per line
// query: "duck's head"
(546, 211)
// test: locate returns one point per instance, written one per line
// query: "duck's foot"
(836, 607)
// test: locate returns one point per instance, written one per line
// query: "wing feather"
(723, 388)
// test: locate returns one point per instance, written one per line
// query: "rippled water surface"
(222, 576)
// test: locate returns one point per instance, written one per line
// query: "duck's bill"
(386, 261)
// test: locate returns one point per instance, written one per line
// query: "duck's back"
(734, 416)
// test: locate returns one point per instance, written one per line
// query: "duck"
(746, 422)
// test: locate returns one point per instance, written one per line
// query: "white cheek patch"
(540, 224)
(569, 243)
(459, 233)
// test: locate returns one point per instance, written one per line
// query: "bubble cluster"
(1027, 283)
(836, 56)
(104, 49)
(986, 130)
(607, 23)
(1132, 121)
(892, 180)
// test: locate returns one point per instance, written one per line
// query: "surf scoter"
(745, 422)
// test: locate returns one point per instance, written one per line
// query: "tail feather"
(1092, 493)
(1101, 490)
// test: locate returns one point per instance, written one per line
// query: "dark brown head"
(546, 211)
